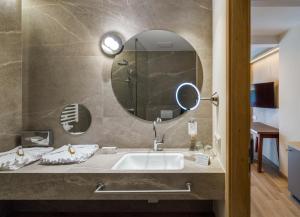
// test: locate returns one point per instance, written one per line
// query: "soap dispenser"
(192, 131)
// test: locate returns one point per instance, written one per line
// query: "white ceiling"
(275, 3)
(257, 50)
(274, 21)
(270, 19)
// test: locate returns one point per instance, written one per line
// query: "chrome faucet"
(157, 142)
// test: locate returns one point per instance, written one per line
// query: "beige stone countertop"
(295, 145)
(79, 181)
(102, 163)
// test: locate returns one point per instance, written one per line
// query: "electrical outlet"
(217, 142)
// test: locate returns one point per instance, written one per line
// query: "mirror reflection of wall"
(146, 74)
(75, 119)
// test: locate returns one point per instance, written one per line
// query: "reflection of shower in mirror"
(146, 73)
(123, 63)
(69, 115)
(75, 119)
(130, 79)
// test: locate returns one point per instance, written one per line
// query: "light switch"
(217, 142)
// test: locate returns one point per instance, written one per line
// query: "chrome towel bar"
(101, 189)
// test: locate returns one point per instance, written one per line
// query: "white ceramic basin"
(150, 161)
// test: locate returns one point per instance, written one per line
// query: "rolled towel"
(20, 157)
(69, 154)
(38, 152)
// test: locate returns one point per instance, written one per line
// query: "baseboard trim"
(268, 161)
(283, 175)
(271, 163)
(274, 166)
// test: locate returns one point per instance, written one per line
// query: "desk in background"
(260, 132)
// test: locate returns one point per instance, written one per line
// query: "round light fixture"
(194, 88)
(111, 44)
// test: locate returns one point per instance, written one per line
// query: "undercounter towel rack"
(101, 189)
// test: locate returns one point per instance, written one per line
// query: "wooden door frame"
(238, 101)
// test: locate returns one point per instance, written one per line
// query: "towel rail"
(101, 189)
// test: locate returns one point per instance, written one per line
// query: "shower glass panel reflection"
(130, 78)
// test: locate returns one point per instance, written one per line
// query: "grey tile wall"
(62, 64)
(10, 73)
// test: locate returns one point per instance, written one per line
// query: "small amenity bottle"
(192, 131)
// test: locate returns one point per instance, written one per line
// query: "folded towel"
(38, 152)
(20, 157)
(69, 154)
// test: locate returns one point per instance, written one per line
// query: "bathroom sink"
(150, 161)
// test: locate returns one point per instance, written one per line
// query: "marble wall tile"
(10, 15)
(10, 73)
(62, 64)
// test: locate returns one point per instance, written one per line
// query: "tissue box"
(202, 159)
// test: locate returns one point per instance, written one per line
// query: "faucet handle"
(158, 120)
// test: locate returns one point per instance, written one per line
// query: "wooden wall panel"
(238, 179)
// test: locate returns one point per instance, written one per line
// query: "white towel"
(10, 160)
(69, 154)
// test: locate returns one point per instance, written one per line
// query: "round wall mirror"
(148, 71)
(75, 119)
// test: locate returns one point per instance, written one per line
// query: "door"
(238, 118)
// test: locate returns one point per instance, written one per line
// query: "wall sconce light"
(111, 44)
